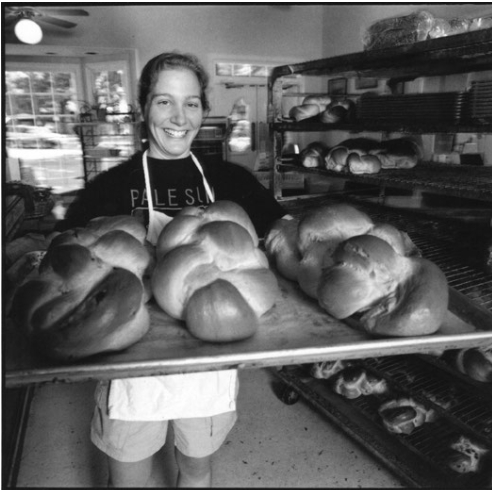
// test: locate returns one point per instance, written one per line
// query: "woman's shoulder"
(123, 169)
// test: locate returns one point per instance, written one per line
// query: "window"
(109, 87)
(41, 106)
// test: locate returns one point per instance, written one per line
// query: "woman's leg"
(135, 474)
(193, 472)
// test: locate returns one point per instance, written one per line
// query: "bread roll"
(363, 164)
(399, 296)
(354, 382)
(404, 415)
(475, 363)
(327, 369)
(467, 456)
(86, 297)
(211, 273)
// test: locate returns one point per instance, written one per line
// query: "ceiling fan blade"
(63, 12)
(56, 22)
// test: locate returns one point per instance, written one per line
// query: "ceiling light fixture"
(27, 31)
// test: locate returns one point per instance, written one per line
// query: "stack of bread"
(368, 156)
(87, 295)
(211, 274)
(351, 265)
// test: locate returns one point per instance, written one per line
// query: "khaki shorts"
(129, 441)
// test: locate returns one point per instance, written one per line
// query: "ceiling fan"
(26, 18)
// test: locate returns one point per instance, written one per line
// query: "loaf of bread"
(313, 155)
(404, 415)
(211, 273)
(397, 295)
(311, 106)
(88, 296)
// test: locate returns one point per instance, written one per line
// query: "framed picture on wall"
(337, 86)
(363, 83)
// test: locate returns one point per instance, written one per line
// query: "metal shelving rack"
(462, 53)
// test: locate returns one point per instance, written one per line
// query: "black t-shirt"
(174, 185)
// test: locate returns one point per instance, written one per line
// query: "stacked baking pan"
(417, 108)
(479, 106)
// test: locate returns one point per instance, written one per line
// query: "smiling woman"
(156, 186)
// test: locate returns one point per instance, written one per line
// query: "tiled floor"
(272, 444)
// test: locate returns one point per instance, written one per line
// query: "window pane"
(22, 104)
(17, 82)
(41, 82)
(62, 82)
(44, 104)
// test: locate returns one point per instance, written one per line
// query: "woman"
(132, 415)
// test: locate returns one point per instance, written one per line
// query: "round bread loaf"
(87, 296)
(211, 273)
(399, 296)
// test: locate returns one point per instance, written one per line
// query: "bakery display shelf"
(419, 459)
(296, 330)
(452, 180)
(461, 53)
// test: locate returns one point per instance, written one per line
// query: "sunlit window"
(41, 108)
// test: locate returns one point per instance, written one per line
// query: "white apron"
(173, 396)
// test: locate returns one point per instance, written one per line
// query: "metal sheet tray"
(295, 331)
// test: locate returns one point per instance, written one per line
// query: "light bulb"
(28, 31)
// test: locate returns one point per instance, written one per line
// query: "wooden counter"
(295, 331)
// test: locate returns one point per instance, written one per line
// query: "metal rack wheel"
(288, 395)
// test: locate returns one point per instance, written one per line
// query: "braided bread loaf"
(88, 295)
(211, 273)
(351, 265)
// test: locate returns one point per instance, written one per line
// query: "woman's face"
(174, 114)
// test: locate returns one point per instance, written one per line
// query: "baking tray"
(296, 330)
